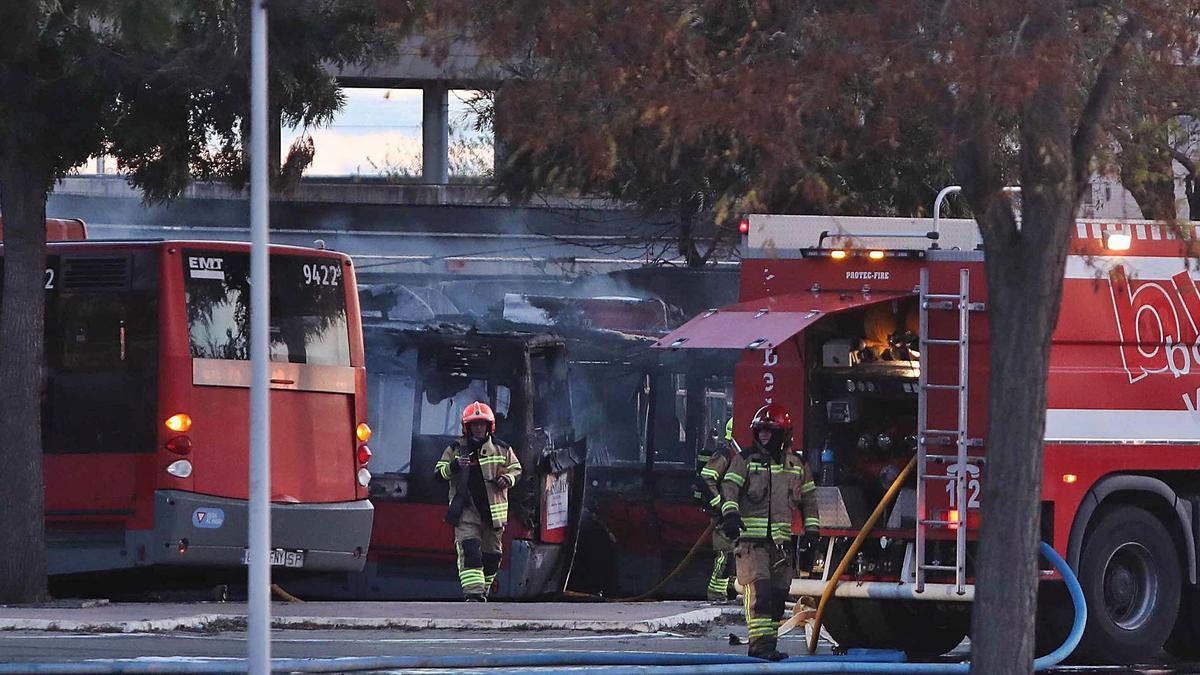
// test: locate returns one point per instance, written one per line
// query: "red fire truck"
(874, 332)
(145, 428)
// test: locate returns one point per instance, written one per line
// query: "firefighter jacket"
(764, 493)
(711, 474)
(496, 459)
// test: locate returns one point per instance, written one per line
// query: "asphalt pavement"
(696, 628)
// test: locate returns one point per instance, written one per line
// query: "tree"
(1015, 92)
(1153, 128)
(623, 101)
(163, 86)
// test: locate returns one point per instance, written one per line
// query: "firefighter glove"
(731, 525)
(503, 482)
(810, 539)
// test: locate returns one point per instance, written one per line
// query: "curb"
(197, 622)
(237, 622)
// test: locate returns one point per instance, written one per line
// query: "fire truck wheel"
(929, 629)
(1130, 572)
(1184, 642)
(921, 629)
(859, 623)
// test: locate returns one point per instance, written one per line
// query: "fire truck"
(874, 333)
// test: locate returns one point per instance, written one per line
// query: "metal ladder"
(927, 437)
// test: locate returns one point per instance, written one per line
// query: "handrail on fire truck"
(941, 198)
(826, 234)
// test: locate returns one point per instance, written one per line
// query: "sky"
(378, 134)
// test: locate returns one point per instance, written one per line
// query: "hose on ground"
(573, 659)
(613, 663)
(849, 555)
(284, 595)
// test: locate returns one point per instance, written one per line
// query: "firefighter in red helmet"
(760, 490)
(480, 469)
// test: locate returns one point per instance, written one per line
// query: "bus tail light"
(364, 454)
(179, 423)
(180, 445)
(362, 432)
(180, 468)
(744, 226)
(364, 477)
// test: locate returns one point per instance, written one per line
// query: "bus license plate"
(279, 558)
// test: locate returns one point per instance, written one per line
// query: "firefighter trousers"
(764, 569)
(478, 547)
(718, 582)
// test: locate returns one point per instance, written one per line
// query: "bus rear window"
(308, 308)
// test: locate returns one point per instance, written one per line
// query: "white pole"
(259, 610)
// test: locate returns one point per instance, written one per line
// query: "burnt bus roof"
(454, 333)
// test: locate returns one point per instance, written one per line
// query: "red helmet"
(778, 420)
(479, 412)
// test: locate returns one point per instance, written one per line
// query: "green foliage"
(164, 85)
(694, 109)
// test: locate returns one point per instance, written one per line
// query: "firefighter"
(760, 490)
(719, 589)
(480, 469)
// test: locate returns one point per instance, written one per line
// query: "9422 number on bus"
(317, 274)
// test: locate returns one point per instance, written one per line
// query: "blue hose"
(612, 663)
(367, 663)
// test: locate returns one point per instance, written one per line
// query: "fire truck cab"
(874, 333)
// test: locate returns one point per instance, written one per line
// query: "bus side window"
(104, 332)
(102, 362)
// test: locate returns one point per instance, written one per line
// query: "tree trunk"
(1148, 172)
(688, 249)
(1021, 318)
(1191, 187)
(22, 307)
(1025, 267)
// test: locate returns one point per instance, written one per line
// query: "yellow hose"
(278, 590)
(862, 536)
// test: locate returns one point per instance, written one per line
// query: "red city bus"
(145, 421)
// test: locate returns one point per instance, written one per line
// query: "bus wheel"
(1130, 573)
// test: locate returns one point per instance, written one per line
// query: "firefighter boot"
(491, 565)
(764, 648)
(470, 569)
(760, 622)
(718, 583)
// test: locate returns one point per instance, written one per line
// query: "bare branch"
(1188, 163)
(1083, 144)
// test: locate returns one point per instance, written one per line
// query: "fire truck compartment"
(767, 322)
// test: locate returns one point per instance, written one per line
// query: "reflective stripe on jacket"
(495, 459)
(764, 494)
(712, 473)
